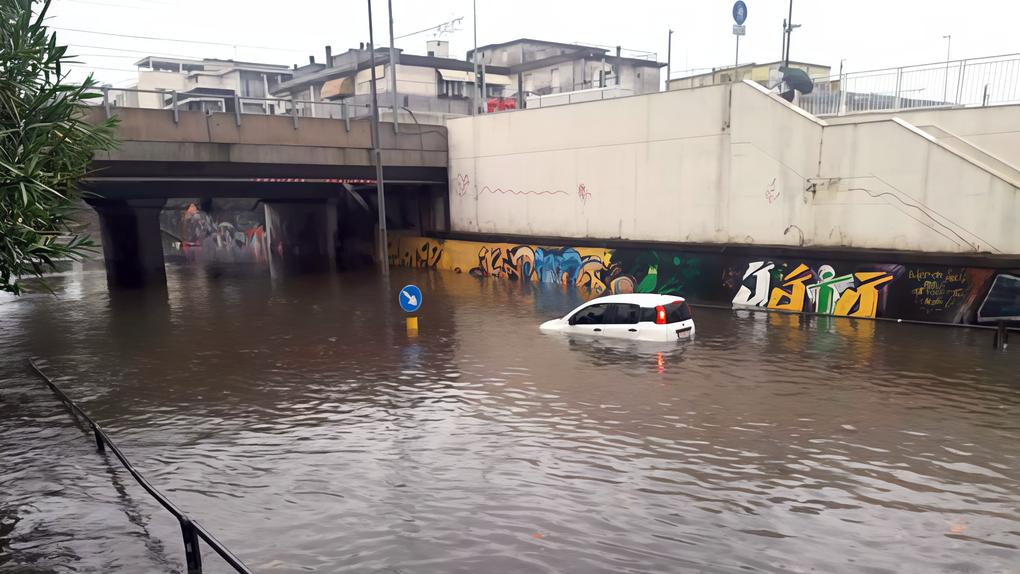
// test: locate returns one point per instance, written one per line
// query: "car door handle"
(632, 330)
(597, 330)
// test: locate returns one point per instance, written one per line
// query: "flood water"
(301, 425)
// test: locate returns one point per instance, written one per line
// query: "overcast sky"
(868, 34)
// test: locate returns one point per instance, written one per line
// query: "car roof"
(642, 299)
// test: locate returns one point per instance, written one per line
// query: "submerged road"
(300, 424)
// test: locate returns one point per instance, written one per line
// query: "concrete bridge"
(307, 172)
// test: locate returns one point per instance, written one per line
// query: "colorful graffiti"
(564, 265)
(821, 291)
(197, 235)
(837, 288)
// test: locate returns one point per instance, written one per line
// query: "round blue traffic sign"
(739, 12)
(410, 298)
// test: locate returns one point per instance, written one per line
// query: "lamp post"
(945, 85)
(669, 58)
(384, 262)
(393, 71)
(474, 57)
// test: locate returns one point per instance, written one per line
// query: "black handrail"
(191, 530)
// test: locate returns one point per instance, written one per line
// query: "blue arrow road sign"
(410, 298)
(739, 12)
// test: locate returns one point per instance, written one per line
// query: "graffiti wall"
(234, 235)
(827, 287)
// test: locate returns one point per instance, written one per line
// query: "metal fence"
(191, 530)
(355, 107)
(992, 80)
(589, 95)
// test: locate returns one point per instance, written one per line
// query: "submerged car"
(639, 316)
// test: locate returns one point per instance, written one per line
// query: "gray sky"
(869, 34)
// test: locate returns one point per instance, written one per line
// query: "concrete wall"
(675, 166)
(994, 129)
(152, 135)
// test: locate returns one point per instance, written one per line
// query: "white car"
(639, 316)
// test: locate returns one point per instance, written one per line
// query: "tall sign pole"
(384, 257)
(739, 16)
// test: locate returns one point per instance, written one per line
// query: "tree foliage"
(46, 146)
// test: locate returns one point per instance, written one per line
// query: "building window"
(554, 79)
(493, 90)
(451, 89)
(252, 85)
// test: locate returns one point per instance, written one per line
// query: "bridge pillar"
(132, 244)
(302, 236)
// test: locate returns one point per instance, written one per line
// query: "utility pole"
(474, 57)
(789, 33)
(782, 52)
(669, 58)
(393, 72)
(384, 258)
(945, 85)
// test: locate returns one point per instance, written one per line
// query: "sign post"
(739, 16)
(410, 299)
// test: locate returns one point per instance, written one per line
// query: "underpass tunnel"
(295, 228)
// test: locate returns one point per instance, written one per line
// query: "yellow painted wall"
(507, 260)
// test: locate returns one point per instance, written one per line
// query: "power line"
(176, 40)
(87, 67)
(445, 27)
(92, 2)
(142, 52)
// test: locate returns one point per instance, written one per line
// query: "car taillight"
(660, 315)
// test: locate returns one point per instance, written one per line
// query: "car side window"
(592, 315)
(623, 314)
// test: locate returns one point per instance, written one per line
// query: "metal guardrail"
(191, 530)
(993, 80)
(576, 97)
(355, 107)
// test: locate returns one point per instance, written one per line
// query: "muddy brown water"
(301, 425)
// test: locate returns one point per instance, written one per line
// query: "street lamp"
(384, 262)
(945, 85)
(669, 58)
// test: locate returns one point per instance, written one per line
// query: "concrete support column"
(132, 244)
(302, 236)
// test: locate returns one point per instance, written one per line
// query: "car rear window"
(675, 313)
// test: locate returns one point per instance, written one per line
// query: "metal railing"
(588, 95)
(993, 80)
(191, 530)
(354, 107)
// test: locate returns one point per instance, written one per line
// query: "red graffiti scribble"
(770, 192)
(583, 193)
(462, 184)
(487, 189)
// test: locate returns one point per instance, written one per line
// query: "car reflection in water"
(642, 356)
